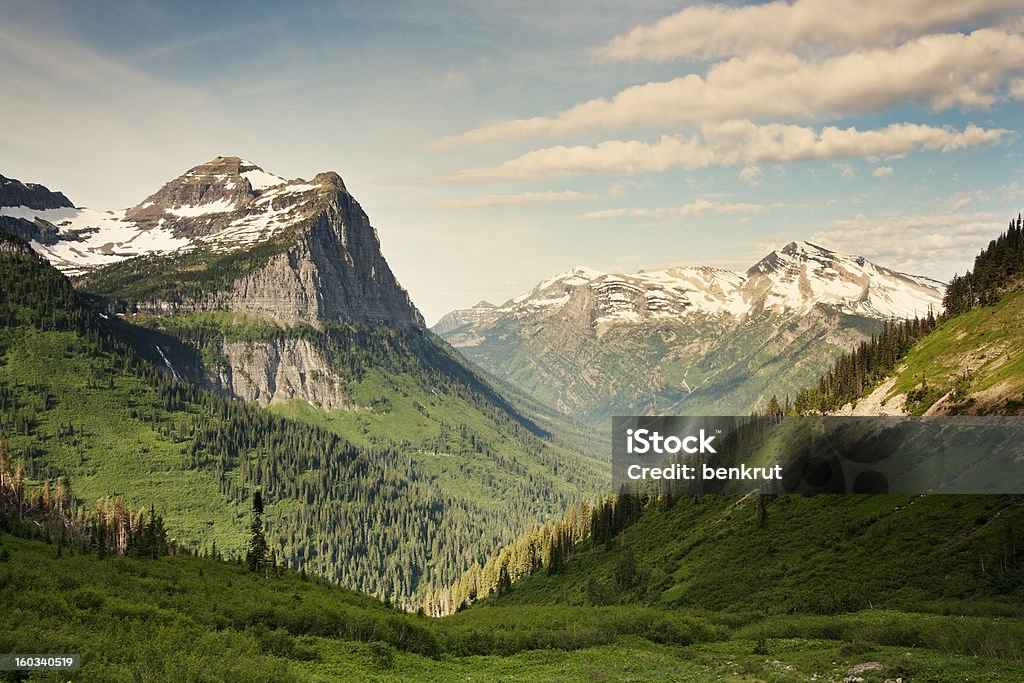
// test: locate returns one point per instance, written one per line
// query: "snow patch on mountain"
(259, 179)
(207, 207)
(219, 206)
(791, 280)
(90, 238)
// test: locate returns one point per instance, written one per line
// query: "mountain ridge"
(686, 340)
(211, 240)
(680, 290)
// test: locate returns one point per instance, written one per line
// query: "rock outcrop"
(278, 372)
(30, 195)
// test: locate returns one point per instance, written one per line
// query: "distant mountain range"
(686, 338)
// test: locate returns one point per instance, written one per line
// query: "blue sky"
(496, 143)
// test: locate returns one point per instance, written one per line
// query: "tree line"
(51, 513)
(998, 267)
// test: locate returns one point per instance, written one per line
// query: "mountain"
(19, 202)
(227, 235)
(16, 193)
(267, 346)
(466, 316)
(686, 339)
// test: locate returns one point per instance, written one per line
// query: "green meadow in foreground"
(195, 619)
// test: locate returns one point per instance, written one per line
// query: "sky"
(494, 143)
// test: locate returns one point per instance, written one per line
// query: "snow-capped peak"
(802, 275)
(574, 277)
(792, 279)
(224, 204)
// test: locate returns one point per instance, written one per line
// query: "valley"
(470, 514)
(291, 362)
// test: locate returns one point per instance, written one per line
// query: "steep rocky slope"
(228, 236)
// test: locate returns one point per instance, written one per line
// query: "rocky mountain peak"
(220, 185)
(30, 195)
(228, 235)
(330, 179)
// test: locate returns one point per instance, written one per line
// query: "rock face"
(228, 236)
(466, 316)
(219, 186)
(16, 193)
(277, 372)
(686, 340)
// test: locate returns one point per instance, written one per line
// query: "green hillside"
(968, 362)
(187, 618)
(690, 366)
(973, 363)
(389, 515)
(821, 554)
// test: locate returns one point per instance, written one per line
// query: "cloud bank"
(938, 71)
(714, 31)
(736, 143)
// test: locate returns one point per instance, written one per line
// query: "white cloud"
(930, 244)
(699, 207)
(711, 31)
(940, 71)
(604, 213)
(882, 171)
(1011, 191)
(961, 200)
(752, 175)
(621, 187)
(735, 143)
(497, 200)
(846, 170)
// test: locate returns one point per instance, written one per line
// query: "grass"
(979, 351)
(196, 619)
(824, 554)
(122, 443)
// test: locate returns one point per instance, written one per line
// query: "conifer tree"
(257, 555)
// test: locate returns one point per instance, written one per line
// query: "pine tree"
(257, 555)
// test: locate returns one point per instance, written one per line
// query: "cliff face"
(228, 236)
(278, 372)
(333, 272)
